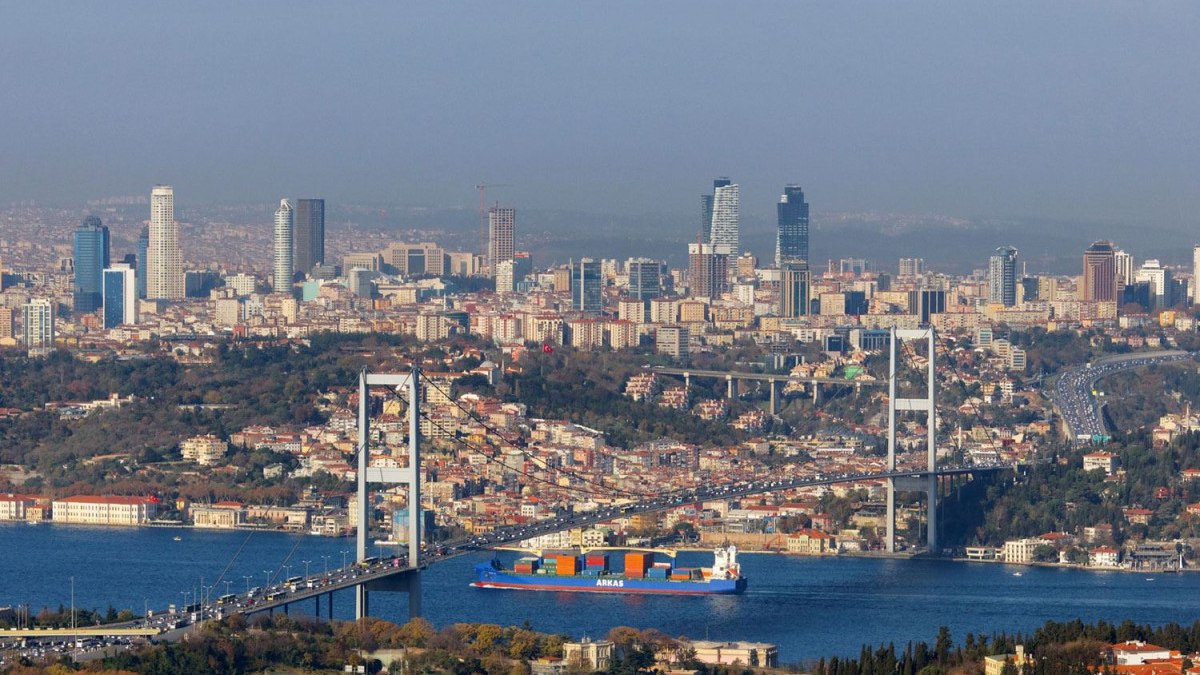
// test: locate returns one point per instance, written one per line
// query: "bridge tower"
(410, 581)
(927, 404)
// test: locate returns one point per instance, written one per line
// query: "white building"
(1159, 278)
(592, 655)
(203, 450)
(38, 329)
(164, 257)
(119, 291)
(724, 235)
(281, 279)
(104, 510)
(1105, 461)
(1020, 550)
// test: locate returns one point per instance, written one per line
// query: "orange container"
(568, 565)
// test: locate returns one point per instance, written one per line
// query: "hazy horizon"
(1069, 112)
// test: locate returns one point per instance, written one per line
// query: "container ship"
(591, 573)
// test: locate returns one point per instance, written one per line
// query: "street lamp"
(268, 573)
(76, 638)
(287, 571)
(247, 578)
(344, 554)
(306, 563)
(326, 559)
(227, 584)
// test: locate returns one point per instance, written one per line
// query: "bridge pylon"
(410, 581)
(927, 404)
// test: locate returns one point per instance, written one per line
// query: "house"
(1105, 461)
(1104, 556)
(1138, 516)
(811, 542)
(1136, 652)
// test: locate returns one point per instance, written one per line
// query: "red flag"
(547, 349)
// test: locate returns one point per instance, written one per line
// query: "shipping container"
(598, 559)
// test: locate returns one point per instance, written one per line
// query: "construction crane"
(483, 223)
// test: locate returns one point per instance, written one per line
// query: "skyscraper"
(1124, 265)
(164, 258)
(143, 245)
(91, 257)
(793, 289)
(1159, 278)
(707, 271)
(791, 239)
(1195, 275)
(120, 296)
(587, 286)
(912, 267)
(1002, 276)
(1100, 272)
(501, 226)
(281, 278)
(38, 329)
(724, 237)
(645, 278)
(706, 210)
(310, 234)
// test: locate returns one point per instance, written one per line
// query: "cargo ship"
(591, 573)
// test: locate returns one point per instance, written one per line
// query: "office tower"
(587, 286)
(120, 296)
(791, 239)
(1159, 278)
(143, 245)
(707, 271)
(793, 289)
(645, 278)
(853, 266)
(164, 258)
(724, 237)
(91, 257)
(1002, 276)
(1100, 272)
(281, 279)
(706, 210)
(926, 302)
(501, 226)
(912, 267)
(38, 331)
(1195, 274)
(309, 215)
(1124, 266)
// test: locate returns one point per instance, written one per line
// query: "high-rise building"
(1195, 274)
(38, 329)
(164, 258)
(1100, 272)
(281, 279)
(1124, 265)
(120, 296)
(724, 237)
(587, 286)
(706, 210)
(791, 239)
(645, 278)
(1002, 277)
(309, 234)
(143, 245)
(912, 267)
(926, 302)
(91, 257)
(7, 321)
(707, 271)
(1159, 278)
(501, 229)
(794, 283)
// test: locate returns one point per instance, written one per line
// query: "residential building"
(309, 234)
(204, 450)
(725, 236)
(708, 270)
(164, 257)
(1002, 277)
(1105, 461)
(91, 258)
(38, 324)
(672, 341)
(911, 267)
(501, 233)
(706, 210)
(1020, 550)
(281, 277)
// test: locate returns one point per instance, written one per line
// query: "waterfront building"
(309, 215)
(104, 510)
(1002, 276)
(725, 235)
(744, 654)
(120, 296)
(37, 330)
(164, 257)
(91, 258)
(791, 237)
(1100, 272)
(281, 279)
(587, 286)
(15, 507)
(501, 234)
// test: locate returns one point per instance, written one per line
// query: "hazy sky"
(1068, 110)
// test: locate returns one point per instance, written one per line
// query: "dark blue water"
(810, 607)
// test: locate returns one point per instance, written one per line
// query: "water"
(810, 607)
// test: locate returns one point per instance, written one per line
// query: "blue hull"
(488, 576)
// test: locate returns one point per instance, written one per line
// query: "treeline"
(1070, 648)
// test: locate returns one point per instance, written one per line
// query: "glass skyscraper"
(1002, 277)
(143, 244)
(310, 234)
(120, 297)
(281, 279)
(587, 286)
(91, 257)
(791, 240)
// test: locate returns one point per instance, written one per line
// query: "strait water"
(810, 607)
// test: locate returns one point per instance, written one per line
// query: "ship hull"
(489, 577)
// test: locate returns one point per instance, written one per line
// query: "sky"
(1075, 111)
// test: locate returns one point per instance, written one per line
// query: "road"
(1072, 395)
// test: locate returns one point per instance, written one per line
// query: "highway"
(1072, 394)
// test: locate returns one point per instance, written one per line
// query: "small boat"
(178, 538)
(1016, 574)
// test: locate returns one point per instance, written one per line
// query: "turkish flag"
(547, 349)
